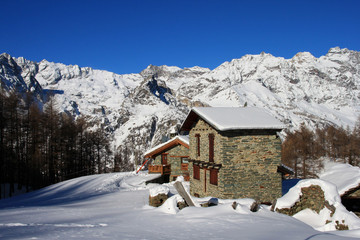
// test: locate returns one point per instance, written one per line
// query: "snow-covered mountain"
(138, 109)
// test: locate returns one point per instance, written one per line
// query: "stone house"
(234, 153)
(170, 159)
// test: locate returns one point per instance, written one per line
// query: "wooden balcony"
(162, 169)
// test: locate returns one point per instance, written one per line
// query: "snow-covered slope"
(138, 109)
(115, 206)
(343, 175)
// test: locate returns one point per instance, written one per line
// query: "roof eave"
(190, 118)
(185, 126)
(219, 128)
(163, 147)
(248, 128)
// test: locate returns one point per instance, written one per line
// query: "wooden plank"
(181, 190)
(143, 165)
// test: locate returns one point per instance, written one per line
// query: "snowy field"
(115, 206)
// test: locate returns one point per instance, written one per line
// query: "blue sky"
(127, 36)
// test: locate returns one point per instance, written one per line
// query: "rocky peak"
(8, 65)
(159, 71)
(337, 50)
(303, 57)
(17, 77)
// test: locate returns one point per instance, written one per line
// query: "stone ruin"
(158, 200)
(313, 198)
(158, 195)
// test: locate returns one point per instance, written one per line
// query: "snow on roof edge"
(287, 167)
(219, 127)
(183, 138)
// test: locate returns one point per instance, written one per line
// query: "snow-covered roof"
(233, 118)
(182, 138)
(287, 169)
(344, 176)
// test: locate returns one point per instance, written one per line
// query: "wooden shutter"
(196, 173)
(211, 147)
(198, 144)
(214, 176)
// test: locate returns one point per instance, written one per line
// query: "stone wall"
(351, 200)
(158, 200)
(197, 187)
(311, 198)
(249, 161)
(355, 193)
(174, 159)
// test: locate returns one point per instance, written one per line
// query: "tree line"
(304, 150)
(40, 146)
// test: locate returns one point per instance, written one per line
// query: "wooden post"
(204, 179)
(181, 190)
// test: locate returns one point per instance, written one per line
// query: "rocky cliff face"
(138, 109)
(21, 79)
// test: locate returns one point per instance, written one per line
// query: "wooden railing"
(162, 169)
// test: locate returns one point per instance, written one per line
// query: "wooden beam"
(165, 147)
(181, 190)
(143, 165)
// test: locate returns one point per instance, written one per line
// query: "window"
(184, 160)
(214, 176)
(197, 136)
(196, 169)
(184, 163)
(164, 158)
(211, 147)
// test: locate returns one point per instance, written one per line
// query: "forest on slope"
(39, 147)
(305, 150)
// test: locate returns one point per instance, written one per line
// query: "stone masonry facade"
(249, 160)
(174, 158)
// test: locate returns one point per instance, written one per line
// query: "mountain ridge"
(138, 109)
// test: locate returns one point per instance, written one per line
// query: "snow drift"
(109, 206)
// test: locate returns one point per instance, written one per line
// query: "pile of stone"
(158, 195)
(313, 198)
(319, 196)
